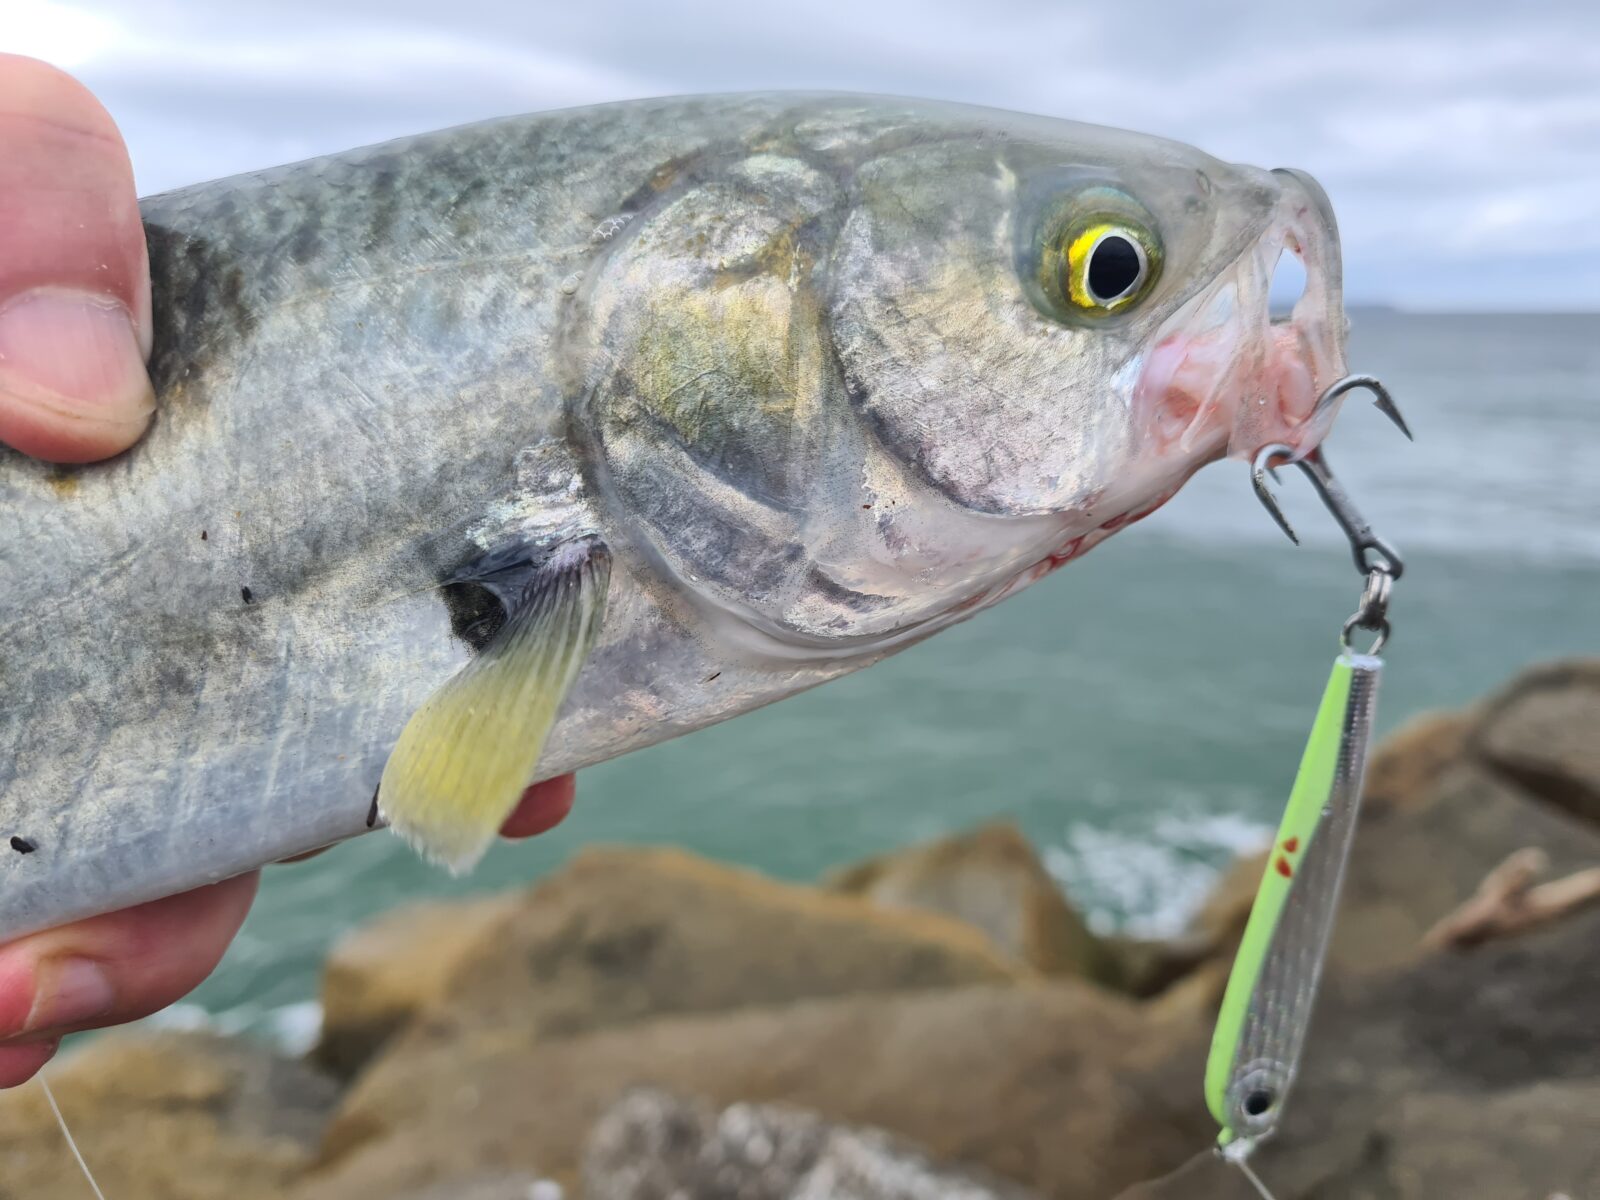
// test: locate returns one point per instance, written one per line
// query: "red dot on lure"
(1292, 845)
(1284, 868)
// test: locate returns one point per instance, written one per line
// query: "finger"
(110, 969)
(74, 277)
(18, 1064)
(542, 807)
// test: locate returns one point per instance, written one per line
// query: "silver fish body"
(825, 374)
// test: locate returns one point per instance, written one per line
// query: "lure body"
(1266, 1008)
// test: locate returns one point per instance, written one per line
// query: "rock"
(619, 935)
(991, 878)
(380, 977)
(170, 1116)
(1219, 924)
(1536, 1141)
(1474, 1076)
(1046, 1084)
(490, 1185)
(651, 1145)
(1412, 866)
(1543, 732)
(629, 933)
(1508, 1014)
(1146, 967)
(1407, 765)
(655, 1146)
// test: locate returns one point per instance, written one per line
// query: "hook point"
(1260, 468)
(1385, 404)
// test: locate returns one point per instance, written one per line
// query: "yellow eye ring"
(1107, 266)
(1096, 254)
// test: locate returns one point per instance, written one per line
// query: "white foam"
(1152, 883)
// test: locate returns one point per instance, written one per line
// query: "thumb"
(74, 278)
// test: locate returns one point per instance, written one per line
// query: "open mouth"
(1242, 364)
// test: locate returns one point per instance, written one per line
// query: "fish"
(492, 453)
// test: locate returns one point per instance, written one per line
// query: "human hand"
(74, 335)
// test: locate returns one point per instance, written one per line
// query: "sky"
(1460, 141)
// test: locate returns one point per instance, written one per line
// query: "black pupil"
(1257, 1103)
(1113, 267)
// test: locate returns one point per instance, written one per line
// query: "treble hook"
(1365, 545)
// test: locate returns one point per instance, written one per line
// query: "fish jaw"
(1223, 377)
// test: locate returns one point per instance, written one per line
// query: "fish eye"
(1103, 258)
(1107, 267)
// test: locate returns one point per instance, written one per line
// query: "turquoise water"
(1139, 713)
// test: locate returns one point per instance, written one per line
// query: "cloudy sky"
(1460, 141)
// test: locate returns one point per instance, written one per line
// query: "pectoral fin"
(470, 751)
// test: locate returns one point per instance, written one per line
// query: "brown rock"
(1197, 996)
(381, 976)
(624, 934)
(991, 878)
(1146, 967)
(1046, 1084)
(653, 1145)
(1474, 1076)
(620, 935)
(1410, 868)
(1408, 765)
(1219, 924)
(486, 1185)
(1543, 731)
(166, 1117)
(1536, 1141)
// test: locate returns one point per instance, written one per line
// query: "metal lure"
(1260, 1033)
(1266, 1009)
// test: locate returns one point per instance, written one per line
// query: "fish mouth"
(1225, 375)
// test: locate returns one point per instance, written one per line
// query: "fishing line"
(1255, 1180)
(72, 1143)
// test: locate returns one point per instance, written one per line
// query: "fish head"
(1066, 320)
(902, 359)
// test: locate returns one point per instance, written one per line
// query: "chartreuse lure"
(1266, 1008)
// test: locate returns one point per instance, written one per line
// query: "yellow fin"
(470, 751)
